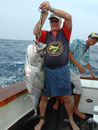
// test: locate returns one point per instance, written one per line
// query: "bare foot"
(74, 126)
(56, 105)
(80, 114)
(39, 125)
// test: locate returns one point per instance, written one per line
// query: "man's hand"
(93, 75)
(45, 6)
(91, 71)
(81, 68)
(75, 62)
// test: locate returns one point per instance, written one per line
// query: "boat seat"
(95, 118)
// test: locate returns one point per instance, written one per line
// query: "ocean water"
(12, 60)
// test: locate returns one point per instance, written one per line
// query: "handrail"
(12, 92)
(89, 78)
(15, 90)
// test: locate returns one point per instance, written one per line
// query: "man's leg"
(75, 79)
(69, 108)
(43, 105)
(76, 104)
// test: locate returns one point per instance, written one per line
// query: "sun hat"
(94, 35)
(54, 16)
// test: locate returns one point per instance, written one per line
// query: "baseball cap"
(54, 16)
(93, 34)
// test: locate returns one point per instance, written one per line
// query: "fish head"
(40, 48)
(39, 45)
(36, 53)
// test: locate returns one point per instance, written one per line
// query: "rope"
(40, 24)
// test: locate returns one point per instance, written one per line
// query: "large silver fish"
(34, 72)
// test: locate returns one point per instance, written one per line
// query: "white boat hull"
(89, 97)
(14, 110)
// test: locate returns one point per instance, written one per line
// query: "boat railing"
(88, 78)
(13, 91)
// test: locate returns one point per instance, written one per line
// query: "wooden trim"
(12, 92)
(89, 78)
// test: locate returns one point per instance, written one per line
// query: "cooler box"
(89, 97)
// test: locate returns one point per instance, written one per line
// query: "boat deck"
(57, 120)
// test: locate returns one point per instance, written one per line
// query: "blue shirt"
(77, 48)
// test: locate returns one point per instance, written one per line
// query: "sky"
(18, 17)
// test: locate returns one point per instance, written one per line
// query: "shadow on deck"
(58, 120)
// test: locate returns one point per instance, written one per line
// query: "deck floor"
(58, 120)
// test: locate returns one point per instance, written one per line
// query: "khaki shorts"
(75, 79)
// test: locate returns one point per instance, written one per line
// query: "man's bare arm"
(90, 69)
(78, 65)
(60, 13)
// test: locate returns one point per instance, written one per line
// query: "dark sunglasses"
(56, 21)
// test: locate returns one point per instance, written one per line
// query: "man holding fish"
(57, 77)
